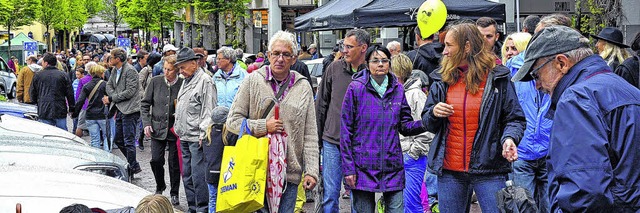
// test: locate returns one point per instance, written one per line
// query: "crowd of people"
(459, 115)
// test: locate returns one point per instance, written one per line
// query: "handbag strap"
(95, 88)
(273, 103)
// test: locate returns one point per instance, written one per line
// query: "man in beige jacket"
(196, 100)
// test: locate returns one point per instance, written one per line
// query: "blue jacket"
(595, 141)
(500, 117)
(227, 88)
(535, 104)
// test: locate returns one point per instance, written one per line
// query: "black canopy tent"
(337, 14)
(399, 13)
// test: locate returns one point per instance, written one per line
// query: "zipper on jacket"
(464, 128)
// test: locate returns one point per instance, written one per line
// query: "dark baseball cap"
(549, 41)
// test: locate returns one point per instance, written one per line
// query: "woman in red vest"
(474, 112)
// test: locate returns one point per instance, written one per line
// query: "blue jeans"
(213, 195)
(288, 200)
(364, 201)
(332, 177)
(414, 174)
(193, 176)
(125, 136)
(455, 190)
(98, 130)
(532, 175)
(60, 123)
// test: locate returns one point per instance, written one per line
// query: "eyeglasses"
(284, 55)
(348, 47)
(534, 72)
(379, 61)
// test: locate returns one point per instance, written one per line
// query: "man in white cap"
(596, 124)
(167, 50)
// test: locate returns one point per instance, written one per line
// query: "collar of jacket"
(347, 67)
(363, 78)
(263, 73)
(235, 73)
(199, 72)
(582, 70)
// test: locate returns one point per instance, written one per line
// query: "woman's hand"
(442, 110)
(509, 150)
(309, 182)
(274, 126)
(350, 181)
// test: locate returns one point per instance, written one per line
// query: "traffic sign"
(30, 46)
(124, 42)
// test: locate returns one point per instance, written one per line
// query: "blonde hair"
(154, 204)
(96, 71)
(170, 59)
(611, 52)
(480, 59)
(520, 40)
(401, 66)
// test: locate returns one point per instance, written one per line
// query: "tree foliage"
(602, 13)
(21, 13)
(111, 13)
(5, 9)
(235, 14)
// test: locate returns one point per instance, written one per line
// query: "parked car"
(16, 126)
(51, 153)
(8, 80)
(20, 110)
(44, 189)
(315, 67)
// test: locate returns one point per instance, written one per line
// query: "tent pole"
(517, 15)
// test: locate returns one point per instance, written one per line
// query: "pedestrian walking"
(296, 122)
(374, 111)
(158, 117)
(124, 102)
(473, 110)
(52, 92)
(228, 77)
(530, 170)
(394, 47)
(167, 50)
(195, 103)
(428, 55)
(83, 78)
(595, 124)
(95, 119)
(610, 46)
(414, 148)
(25, 76)
(328, 104)
(630, 68)
(217, 138)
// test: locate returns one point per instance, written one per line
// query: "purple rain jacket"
(369, 139)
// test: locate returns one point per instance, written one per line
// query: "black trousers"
(158, 148)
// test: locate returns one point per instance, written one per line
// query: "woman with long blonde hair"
(513, 45)
(610, 46)
(473, 109)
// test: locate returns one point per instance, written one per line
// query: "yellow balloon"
(431, 17)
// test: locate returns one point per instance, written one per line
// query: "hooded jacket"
(535, 104)
(500, 117)
(418, 145)
(593, 152)
(227, 88)
(427, 57)
(25, 76)
(369, 141)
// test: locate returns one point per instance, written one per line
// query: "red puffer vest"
(463, 125)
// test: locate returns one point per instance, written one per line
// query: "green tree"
(93, 7)
(602, 13)
(235, 10)
(164, 14)
(22, 12)
(5, 9)
(111, 13)
(50, 15)
(74, 15)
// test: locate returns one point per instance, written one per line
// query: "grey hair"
(554, 19)
(577, 55)
(288, 38)
(227, 53)
(362, 36)
(239, 53)
(394, 44)
(88, 65)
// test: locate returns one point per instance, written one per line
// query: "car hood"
(26, 151)
(17, 109)
(40, 189)
(15, 126)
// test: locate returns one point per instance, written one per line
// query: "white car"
(42, 189)
(15, 126)
(8, 80)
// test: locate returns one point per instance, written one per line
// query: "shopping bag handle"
(244, 127)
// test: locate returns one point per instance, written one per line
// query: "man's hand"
(274, 126)
(309, 182)
(350, 181)
(509, 150)
(148, 130)
(105, 100)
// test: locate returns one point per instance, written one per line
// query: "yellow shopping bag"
(243, 174)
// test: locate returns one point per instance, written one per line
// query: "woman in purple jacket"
(374, 112)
